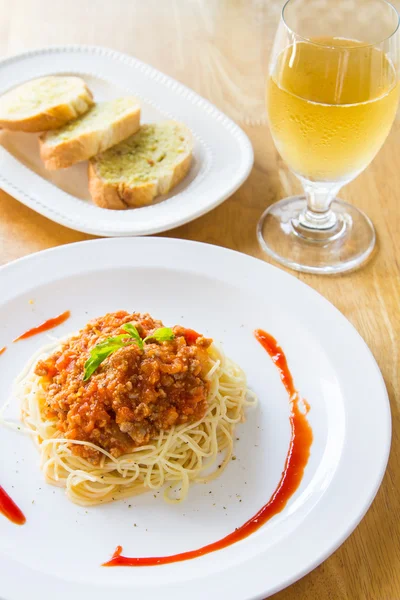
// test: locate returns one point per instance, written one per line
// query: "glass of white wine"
(332, 95)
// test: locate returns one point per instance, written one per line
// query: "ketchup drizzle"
(9, 509)
(296, 461)
(49, 324)
(7, 505)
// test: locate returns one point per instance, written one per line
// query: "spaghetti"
(185, 453)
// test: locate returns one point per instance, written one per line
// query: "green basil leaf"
(101, 351)
(94, 362)
(164, 334)
(133, 332)
(117, 340)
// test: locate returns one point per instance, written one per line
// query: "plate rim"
(244, 144)
(386, 415)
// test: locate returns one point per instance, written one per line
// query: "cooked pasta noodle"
(186, 453)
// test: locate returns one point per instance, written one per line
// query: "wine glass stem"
(318, 214)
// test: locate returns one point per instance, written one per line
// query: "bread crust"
(121, 195)
(88, 144)
(55, 116)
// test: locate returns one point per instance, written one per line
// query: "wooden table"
(220, 48)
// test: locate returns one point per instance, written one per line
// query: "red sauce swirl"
(296, 461)
(9, 509)
(49, 324)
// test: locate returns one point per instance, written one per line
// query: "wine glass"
(332, 95)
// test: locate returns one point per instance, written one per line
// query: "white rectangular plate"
(223, 155)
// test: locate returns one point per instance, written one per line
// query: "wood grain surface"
(220, 48)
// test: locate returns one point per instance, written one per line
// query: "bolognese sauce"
(134, 394)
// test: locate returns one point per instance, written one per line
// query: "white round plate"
(226, 295)
(222, 153)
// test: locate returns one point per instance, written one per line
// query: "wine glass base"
(337, 249)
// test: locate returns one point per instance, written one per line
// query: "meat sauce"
(133, 394)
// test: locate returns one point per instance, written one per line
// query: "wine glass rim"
(330, 45)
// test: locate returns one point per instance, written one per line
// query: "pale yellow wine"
(330, 110)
